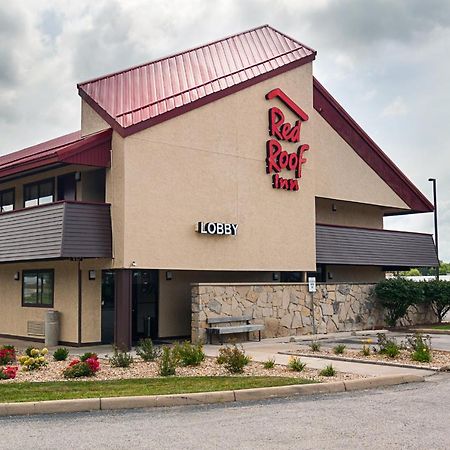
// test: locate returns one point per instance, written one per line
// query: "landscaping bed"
(34, 374)
(440, 361)
(415, 352)
(141, 369)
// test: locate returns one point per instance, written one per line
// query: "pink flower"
(93, 364)
(10, 371)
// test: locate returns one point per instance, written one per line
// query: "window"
(37, 288)
(7, 200)
(39, 193)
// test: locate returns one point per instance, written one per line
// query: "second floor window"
(39, 193)
(37, 288)
(7, 200)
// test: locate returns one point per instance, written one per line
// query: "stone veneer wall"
(286, 309)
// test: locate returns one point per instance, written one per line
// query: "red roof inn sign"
(280, 130)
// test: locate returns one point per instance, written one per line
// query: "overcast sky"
(386, 61)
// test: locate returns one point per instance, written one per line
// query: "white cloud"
(396, 108)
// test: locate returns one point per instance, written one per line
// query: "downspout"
(80, 301)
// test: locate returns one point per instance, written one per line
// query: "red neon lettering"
(276, 119)
(293, 185)
(301, 160)
(273, 151)
(281, 129)
(278, 159)
(283, 183)
(288, 102)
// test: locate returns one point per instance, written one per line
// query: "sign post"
(311, 289)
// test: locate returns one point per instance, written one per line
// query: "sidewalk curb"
(429, 331)
(201, 398)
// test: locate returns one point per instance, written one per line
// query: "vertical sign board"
(312, 284)
(312, 289)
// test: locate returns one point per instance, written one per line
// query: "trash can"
(51, 328)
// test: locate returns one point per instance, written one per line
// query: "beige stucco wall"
(92, 299)
(91, 122)
(15, 317)
(348, 214)
(174, 315)
(209, 165)
(115, 195)
(342, 175)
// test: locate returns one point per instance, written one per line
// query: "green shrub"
(296, 364)
(328, 371)
(120, 359)
(87, 355)
(269, 364)
(189, 354)
(422, 355)
(233, 359)
(387, 346)
(420, 346)
(365, 350)
(146, 350)
(61, 354)
(339, 349)
(436, 294)
(168, 362)
(396, 295)
(81, 369)
(315, 346)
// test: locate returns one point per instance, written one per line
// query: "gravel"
(140, 369)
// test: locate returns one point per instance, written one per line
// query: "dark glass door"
(67, 187)
(145, 304)
(108, 285)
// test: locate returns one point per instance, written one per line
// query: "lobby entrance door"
(144, 317)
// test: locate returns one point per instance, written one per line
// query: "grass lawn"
(58, 390)
(440, 327)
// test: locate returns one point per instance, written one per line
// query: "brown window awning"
(369, 247)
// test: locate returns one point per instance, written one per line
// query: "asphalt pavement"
(413, 416)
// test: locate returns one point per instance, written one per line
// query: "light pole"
(433, 180)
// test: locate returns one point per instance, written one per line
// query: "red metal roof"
(142, 96)
(93, 150)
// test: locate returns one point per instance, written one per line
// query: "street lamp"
(433, 180)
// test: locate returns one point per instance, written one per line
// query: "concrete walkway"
(271, 348)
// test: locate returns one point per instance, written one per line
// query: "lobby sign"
(217, 228)
(279, 159)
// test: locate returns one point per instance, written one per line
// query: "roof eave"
(135, 128)
(60, 156)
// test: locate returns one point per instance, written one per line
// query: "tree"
(437, 295)
(396, 295)
(411, 273)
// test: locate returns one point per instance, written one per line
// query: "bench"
(232, 329)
